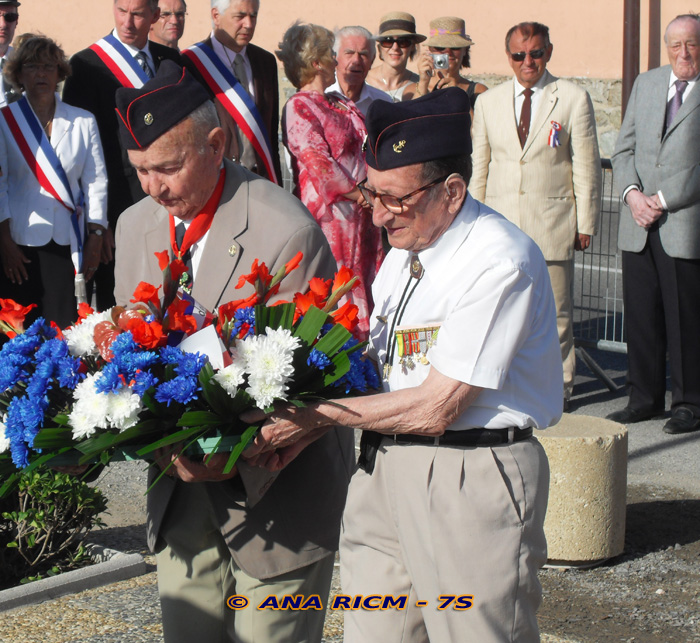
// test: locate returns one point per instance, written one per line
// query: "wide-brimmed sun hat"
(398, 24)
(448, 31)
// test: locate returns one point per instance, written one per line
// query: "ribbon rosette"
(554, 135)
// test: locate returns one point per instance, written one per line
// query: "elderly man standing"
(8, 23)
(536, 160)
(247, 534)
(242, 81)
(355, 53)
(657, 164)
(124, 58)
(169, 27)
(447, 508)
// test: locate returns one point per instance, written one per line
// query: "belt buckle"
(511, 434)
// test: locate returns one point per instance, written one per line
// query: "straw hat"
(448, 32)
(398, 24)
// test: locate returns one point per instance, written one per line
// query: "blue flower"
(318, 359)
(190, 364)
(69, 372)
(143, 381)
(244, 316)
(110, 380)
(180, 389)
(361, 375)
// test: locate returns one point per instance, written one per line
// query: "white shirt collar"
(539, 85)
(134, 50)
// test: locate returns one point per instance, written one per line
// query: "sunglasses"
(403, 43)
(535, 54)
(444, 48)
(10, 17)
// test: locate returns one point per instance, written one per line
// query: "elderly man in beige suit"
(244, 534)
(536, 160)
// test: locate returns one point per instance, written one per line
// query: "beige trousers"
(435, 522)
(561, 274)
(196, 575)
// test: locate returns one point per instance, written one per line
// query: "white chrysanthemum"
(271, 359)
(82, 424)
(231, 377)
(282, 338)
(90, 409)
(4, 440)
(80, 338)
(265, 392)
(123, 408)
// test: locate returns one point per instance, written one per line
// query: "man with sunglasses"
(536, 160)
(446, 512)
(8, 24)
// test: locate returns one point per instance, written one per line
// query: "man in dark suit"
(255, 69)
(657, 165)
(92, 86)
(245, 533)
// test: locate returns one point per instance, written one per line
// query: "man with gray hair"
(355, 51)
(124, 58)
(225, 542)
(657, 166)
(242, 81)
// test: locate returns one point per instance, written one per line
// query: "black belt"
(469, 438)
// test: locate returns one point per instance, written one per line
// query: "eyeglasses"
(32, 68)
(9, 17)
(535, 54)
(403, 43)
(444, 48)
(179, 15)
(392, 203)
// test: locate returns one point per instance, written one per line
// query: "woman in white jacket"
(53, 188)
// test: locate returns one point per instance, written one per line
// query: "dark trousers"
(662, 314)
(50, 284)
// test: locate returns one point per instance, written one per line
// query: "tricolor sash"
(235, 100)
(20, 122)
(120, 62)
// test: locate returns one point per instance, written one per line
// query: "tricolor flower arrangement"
(128, 380)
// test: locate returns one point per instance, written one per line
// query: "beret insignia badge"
(398, 147)
(148, 119)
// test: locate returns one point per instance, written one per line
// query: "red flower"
(105, 333)
(342, 278)
(148, 294)
(84, 310)
(56, 327)
(346, 316)
(293, 263)
(259, 276)
(177, 268)
(163, 259)
(226, 311)
(178, 319)
(12, 316)
(147, 335)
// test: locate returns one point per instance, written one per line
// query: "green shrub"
(45, 521)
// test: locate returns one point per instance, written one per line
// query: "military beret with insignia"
(431, 127)
(147, 113)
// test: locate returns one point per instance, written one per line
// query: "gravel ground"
(651, 593)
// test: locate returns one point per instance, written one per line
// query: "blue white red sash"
(120, 62)
(235, 100)
(22, 125)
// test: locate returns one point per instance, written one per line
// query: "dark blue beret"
(147, 113)
(431, 127)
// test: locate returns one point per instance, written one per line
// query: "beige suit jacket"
(297, 520)
(548, 192)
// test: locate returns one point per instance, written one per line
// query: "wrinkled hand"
(645, 209)
(208, 470)
(279, 458)
(581, 241)
(13, 261)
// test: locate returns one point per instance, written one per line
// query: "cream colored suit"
(550, 193)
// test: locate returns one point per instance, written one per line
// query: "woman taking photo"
(324, 135)
(53, 187)
(448, 52)
(397, 43)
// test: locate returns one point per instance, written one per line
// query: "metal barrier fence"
(598, 308)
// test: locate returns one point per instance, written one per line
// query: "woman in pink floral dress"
(324, 135)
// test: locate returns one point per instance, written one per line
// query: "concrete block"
(585, 523)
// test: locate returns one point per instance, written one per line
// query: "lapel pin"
(233, 250)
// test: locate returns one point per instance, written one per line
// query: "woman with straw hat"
(447, 37)
(397, 43)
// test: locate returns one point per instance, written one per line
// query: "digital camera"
(440, 61)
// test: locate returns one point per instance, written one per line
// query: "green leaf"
(311, 325)
(281, 316)
(173, 438)
(333, 340)
(238, 449)
(200, 419)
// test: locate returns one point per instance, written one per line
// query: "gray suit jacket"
(654, 161)
(297, 520)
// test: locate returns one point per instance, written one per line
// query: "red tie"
(524, 124)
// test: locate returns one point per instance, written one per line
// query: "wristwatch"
(96, 231)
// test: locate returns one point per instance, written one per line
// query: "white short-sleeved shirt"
(487, 288)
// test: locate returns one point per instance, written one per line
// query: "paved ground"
(651, 594)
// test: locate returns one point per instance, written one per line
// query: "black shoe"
(682, 421)
(566, 406)
(630, 415)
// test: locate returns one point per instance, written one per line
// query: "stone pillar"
(585, 523)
